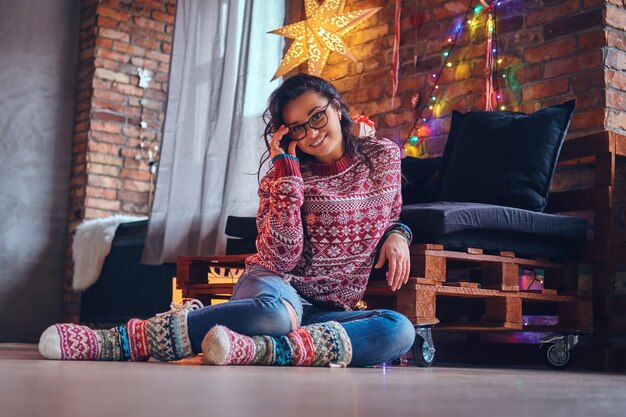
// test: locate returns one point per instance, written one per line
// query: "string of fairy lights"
(415, 138)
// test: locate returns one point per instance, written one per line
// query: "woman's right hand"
(275, 148)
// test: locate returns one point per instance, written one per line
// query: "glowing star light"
(318, 35)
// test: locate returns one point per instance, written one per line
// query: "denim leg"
(256, 308)
(377, 335)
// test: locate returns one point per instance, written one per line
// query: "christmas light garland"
(431, 100)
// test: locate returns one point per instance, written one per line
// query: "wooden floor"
(31, 386)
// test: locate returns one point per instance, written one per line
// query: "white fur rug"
(92, 244)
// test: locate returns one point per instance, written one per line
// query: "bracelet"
(405, 227)
(398, 232)
(284, 155)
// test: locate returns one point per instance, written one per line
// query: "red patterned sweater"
(319, 228)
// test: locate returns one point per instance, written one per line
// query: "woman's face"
(324, 143)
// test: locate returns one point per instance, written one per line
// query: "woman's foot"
(163, 337)
(320, 344)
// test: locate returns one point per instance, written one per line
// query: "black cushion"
(495, 228)
(417, 173)
(504, 158)
(244, 227)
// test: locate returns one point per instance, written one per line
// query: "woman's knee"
(401, 330)
(273, 317)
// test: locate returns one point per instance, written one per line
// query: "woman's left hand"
(396, 251)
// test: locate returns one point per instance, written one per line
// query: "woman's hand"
(396, 251)
(275, 148)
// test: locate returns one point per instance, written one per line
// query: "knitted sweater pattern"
(319, 227)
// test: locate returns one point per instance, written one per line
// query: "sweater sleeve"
(390, 158)
(280, 234)
(395, 224)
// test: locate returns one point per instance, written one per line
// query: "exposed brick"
(134, 174)
(107, 137)
(149, 24)
(106, 95)
(133, 197)
(143, 63)
(550, 50)
(592, 40)
(111, 55)
(592, 79)
(103, 147)
(616, 39)
(100, 169)
(587, 119)
(616, 17)
(548, 14)
(113, 14)
(163, 17)
(158, 56)
(573, 24)
(90, 213)
(616, 120)
(616, 80)
(616, 99)
(114, 34)
(527, 74)
(616, 60)
(102, 115)
(107, 74)
(105, 22)
(576, 63)
(104, 182)
(545, 89)
(510, 24)
(130, 49)
(107, 127)
(147, 43)
(135, 208)
(590, 99)
(127, 89)
(132, 185)
(104, 158)
(103, 193)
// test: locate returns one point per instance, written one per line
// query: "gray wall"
(38, 62)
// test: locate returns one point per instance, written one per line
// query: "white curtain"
(222, 62)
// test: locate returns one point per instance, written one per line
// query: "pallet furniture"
(604, 198)
(490, 299)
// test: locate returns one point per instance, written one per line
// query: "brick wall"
(552, 51)
(117, 37)
(616, 65)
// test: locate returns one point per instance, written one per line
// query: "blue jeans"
(257, 308)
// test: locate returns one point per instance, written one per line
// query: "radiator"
(126, 288)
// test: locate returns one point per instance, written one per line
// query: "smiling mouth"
(318, 142)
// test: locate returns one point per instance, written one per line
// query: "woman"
(330, 203)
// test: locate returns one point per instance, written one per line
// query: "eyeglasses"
(317, 121)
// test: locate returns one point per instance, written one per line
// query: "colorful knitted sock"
(163, 337)
(320, 344)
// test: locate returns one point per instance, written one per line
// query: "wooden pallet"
(502, 310)
(503, 303)
(492, 271)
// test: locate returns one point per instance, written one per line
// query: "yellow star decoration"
(319, 34)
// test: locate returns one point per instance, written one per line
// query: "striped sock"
(163, 337)
(320, 344)
(76, 342)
